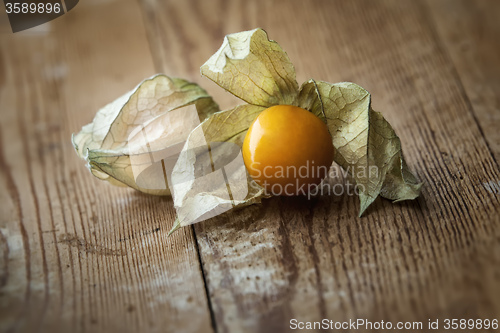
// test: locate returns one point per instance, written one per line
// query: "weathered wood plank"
(471, 33)
(76, 254)
(436, 257)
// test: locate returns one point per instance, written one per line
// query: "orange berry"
(288, 150)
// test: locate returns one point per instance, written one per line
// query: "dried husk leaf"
(253, 68)
(367, 146)
(136, 130)
(215, 146)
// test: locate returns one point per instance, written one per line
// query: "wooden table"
(78, 255)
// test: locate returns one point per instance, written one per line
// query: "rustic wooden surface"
(78, 255)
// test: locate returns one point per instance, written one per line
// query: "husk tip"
(177, 226)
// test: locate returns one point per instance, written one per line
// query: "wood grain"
(76, 254)
(471, 32)
(79, 255)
